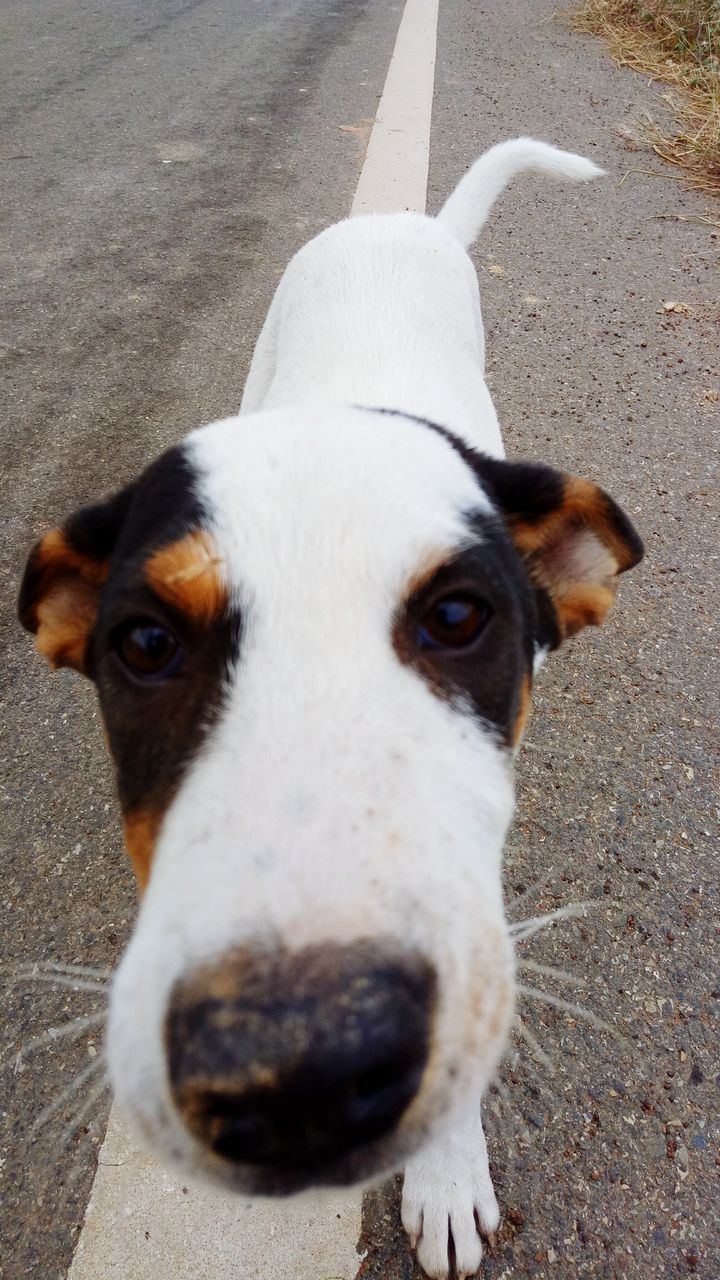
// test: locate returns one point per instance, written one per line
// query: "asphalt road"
(161, 162)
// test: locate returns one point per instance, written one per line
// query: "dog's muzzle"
(292, 1060)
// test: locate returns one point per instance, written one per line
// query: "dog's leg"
(448, 1190)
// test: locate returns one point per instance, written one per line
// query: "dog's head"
(313, 637)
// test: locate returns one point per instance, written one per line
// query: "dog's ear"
(63, 580)
(572, 537)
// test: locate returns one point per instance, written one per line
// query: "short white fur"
(280, 832)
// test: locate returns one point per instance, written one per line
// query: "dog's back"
(385, 309)
(378, 311)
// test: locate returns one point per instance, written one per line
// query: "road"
(162, 161)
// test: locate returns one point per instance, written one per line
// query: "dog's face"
(313, 637)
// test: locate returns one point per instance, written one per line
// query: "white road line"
(395, 172)
(143, 1223)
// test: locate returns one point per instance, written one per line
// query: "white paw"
(448, 1192)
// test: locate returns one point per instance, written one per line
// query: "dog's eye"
(452, 623)
(149, 651)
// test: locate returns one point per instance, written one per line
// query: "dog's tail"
(466, 211)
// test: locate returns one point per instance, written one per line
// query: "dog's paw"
(448, 1193)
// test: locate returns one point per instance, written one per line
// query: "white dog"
(313, 628)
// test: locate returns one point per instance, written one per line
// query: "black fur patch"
(532, 492)
(490, 673)
(155, 729)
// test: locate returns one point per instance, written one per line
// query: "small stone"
(551, 1255)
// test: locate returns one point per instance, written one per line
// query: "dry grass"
(676, 41)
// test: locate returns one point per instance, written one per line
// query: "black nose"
(289, 1059)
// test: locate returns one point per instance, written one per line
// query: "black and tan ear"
(63, 581)
(573, 538)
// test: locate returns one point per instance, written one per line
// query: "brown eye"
(149, 651)
(452, 623)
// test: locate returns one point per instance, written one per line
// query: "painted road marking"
(395, 173)
(143, 1223)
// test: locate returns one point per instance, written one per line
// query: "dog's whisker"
(505, 1125)
(63, 1032)
(501, 1089)
(536, 1086)
(536, 1089)
(551, 971)
(533, 888)
(26, 967)
(523, 929)
(537, 886)
(493, 1119)
(47, 1113)
(508, 1108)
(536, 1083)
(511, 1057)
(575, 1010)
(563, 755)
(65, 981)
(96, 1092)
(523, 1031)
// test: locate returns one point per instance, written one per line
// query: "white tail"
(466, 211)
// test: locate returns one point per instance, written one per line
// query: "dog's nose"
(287, 1059)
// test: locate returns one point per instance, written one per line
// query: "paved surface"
(143, 1223)
(163, 162)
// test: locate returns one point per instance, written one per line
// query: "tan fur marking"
(65, 618)
(66, 606)
(56, 554)
(583, 504)
(585, 605)
(141, 831)
(187, 574)
(576, 554)
(403, 642)
(432, 563)
(523, 710)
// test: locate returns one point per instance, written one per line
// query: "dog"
(314, 628)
